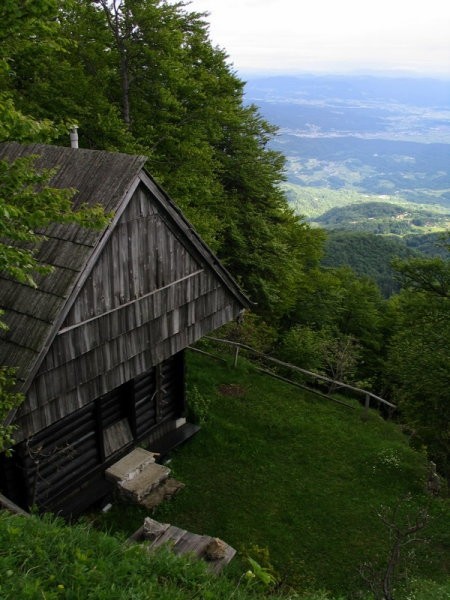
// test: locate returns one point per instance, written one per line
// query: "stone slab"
(128, 467)
(145, 481)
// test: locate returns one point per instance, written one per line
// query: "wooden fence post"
(236, 355)
(367, 404)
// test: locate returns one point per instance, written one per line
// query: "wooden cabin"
(99, 343)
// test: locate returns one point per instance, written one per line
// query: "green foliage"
(431, 244)
(198, 406)
(419, 355)
(252, 331)
(302, 346)
(261, 574)
(430, 275)
(368, 255)
(14, 125)
(9, 399)
(348, 310)
(324, 351)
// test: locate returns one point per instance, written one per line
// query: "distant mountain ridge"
(411, 91)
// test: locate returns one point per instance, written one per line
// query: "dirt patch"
(232, 389)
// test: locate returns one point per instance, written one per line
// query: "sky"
(337, 36)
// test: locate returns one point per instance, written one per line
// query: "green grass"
(47, 560)
(300, 476)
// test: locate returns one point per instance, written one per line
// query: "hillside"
(381, 217)
(280, 469)
(429, 244)
(291, 480)
(350, 209)
(365, 232)
(368, 255)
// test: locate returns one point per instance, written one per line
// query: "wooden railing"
(369, 397)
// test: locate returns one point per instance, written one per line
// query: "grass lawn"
(279, 468)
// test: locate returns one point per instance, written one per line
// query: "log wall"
(61, 468)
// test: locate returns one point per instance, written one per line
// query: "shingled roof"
(109, 179)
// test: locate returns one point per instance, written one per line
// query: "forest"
(143, 77)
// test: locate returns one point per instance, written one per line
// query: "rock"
(216, 549)
(153, 530)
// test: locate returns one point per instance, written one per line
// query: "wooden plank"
(182, 541)
(116, 436)
(58, 282)
(140, 207)
(54, 400)
(196, 247)
(14, 353)
(25, 300)
(63, 313)
(7, 504)
(171, 536)
(191, 543)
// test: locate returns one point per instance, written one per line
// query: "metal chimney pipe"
(74, 137)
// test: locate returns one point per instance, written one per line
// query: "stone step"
(130, 465)
(164, 491)
(144, 482)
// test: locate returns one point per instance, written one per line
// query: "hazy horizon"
(392, 74)
(287, 37)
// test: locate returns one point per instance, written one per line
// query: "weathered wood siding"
(61, 467)
(147, 297)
